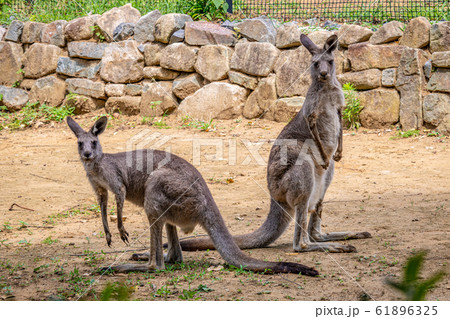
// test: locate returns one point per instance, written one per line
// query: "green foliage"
(49, 240)
(410, 286)
(352, 107)
(410, 133)
(51, 10)
(188, 121)
(116, 291)
(32, 112)
(207, 9)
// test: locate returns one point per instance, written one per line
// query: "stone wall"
(155, 64)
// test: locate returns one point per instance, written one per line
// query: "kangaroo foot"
(321, 237)
(172, 258)
(330, 247)
(124, 235)
(108, 239)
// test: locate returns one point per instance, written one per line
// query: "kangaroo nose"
(323, 73)
(87, 154)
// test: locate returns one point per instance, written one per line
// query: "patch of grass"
(49, 240)
(92, 258)
(411, 287)
(161, 124)
(189, 122)
(410, 133)
(116, 291)
(352, 108)
(33, 112)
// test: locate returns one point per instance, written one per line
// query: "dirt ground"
(397, 189)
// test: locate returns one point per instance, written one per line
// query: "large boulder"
(152, 53)
(112, 89)
(284, 109)
(247, 81)
(351, 33)
(122, 62)
(179, 57)
(53, 33)
(440, 36)
(33, 61)
(158, 99)
(441, 59)
(87, 50)
(80, 29)
(292, 71)
(128, 105)
(258, 29)
(320, 37)
(111, 19)
(362, 80)
(205, 33)
(86, 87)
(78, 68)
(261, 99)
(213, 62)
(410, 82)
(167, 24)
(48, 90)
(216, 100)
(82, 104)
(145, 27)
(159, 73)
(32, 32)
(436, 106)
(417, 33)
(11, 59)
(14, 31)
(187, 84)
(364, 56)
(440, 81)
(254, 58)
(288, 36)
(13, 98)
(381, 107)
(388, 32)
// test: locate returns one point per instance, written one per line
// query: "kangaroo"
(172, 192)
(297, 180)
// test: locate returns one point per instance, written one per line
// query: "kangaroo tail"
(275, 225)
(223, 242)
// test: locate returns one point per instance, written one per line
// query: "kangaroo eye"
(80, 144)
(331, 62)
(94, 144)
(316, 64)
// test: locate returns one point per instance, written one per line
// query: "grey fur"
(172, 194)
(298, 180)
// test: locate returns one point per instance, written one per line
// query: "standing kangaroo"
(298, 180)
(172, 192)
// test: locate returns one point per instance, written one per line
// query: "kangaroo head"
(322, 62)
(89, 146)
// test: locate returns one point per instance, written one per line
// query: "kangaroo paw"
(124, 236)
(108, 238)
(140, 257)
(337, 157)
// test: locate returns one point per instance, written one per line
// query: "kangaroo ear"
(331, 43)
(308, 44)
(99, 126)
(76, 129)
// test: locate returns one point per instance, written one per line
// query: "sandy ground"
(398, 190)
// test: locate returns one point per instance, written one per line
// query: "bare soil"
(397, 189)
